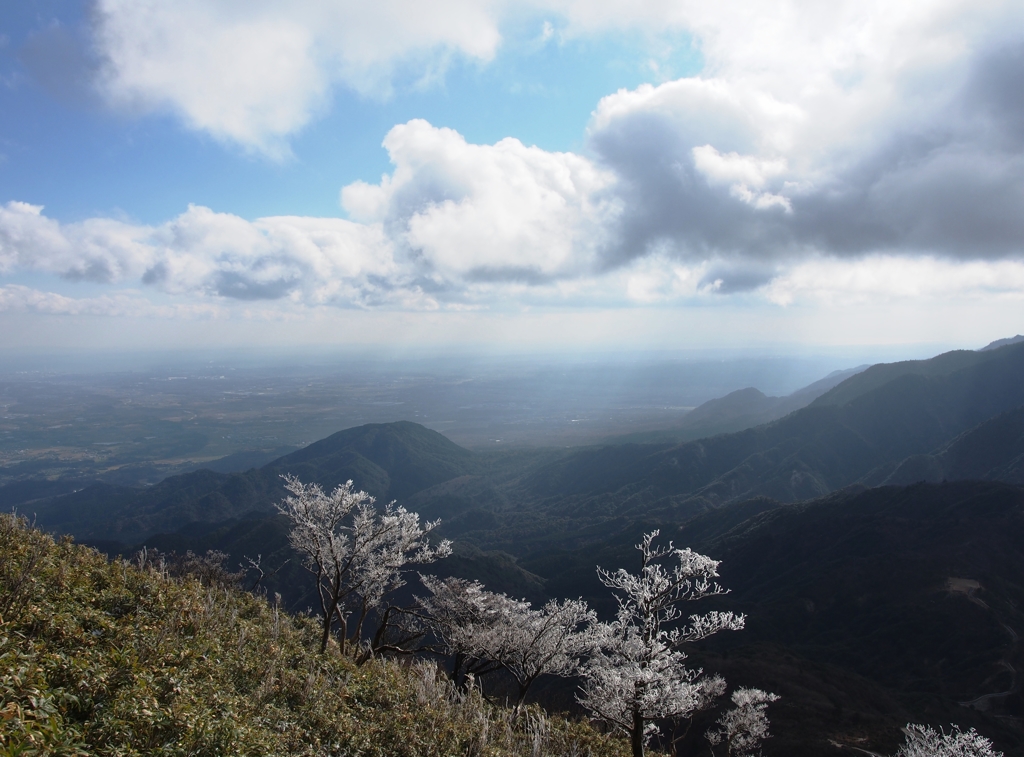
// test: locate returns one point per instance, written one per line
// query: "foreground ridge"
(111, 657)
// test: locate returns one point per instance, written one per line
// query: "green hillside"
(105, 658)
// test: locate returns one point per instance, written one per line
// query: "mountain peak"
(1002, 343)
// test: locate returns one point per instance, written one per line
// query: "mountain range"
(871, 534)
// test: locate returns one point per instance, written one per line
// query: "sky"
(539, 174)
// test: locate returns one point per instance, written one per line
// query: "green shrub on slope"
(105, 658)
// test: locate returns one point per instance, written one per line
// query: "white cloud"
(463, 212)
(734, 168)
(803, 98)
(851, 170)
(888, 278)
(844, 128)
(740, 173)
(98, 249)
(254, 73)
(454, 224)
(21, 299)
(816, 131)
(200, 252)
(463, 226)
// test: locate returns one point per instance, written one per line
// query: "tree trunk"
(382, 629)
(458, 672)
(637, 735)
(519, 700)
(357, 637)
(342, 627)
(523, 688)
(326, 635)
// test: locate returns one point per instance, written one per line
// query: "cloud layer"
(313, 260)
(817, 137)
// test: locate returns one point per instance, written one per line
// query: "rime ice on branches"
(355, 551)
(483, 631)
(637, 674)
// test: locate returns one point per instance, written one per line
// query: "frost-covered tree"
(925, 741)
(637, 674)
(548, 641)
(484, 630)
(356, 551)
(460, 614)
(745, 726)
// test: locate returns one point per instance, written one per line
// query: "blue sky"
(65, 151)
(659, 173)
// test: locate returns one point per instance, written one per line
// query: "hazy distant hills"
(859, 430)
(1003, 343)
(738, 410)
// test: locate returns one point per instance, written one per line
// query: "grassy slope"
(103, 658)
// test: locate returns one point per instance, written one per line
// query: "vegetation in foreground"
(110, 658)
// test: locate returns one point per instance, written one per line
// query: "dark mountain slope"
(104, 511)
(917, 589)
(941, 365)
(809, 453)
(992, 450)
(388, 460)
(243, 461)
(866, 609)
(267, 536)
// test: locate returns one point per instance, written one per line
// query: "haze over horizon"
(525, 177)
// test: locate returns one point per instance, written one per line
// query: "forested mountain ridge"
(388, 460)
(861, 430)
(866, 609)
(859, 434)
(946, 364)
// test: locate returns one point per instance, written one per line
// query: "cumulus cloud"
(254, 73)
(844, 129)
(461, 213)
(200, 252)
(99, 249)
(454, 222)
